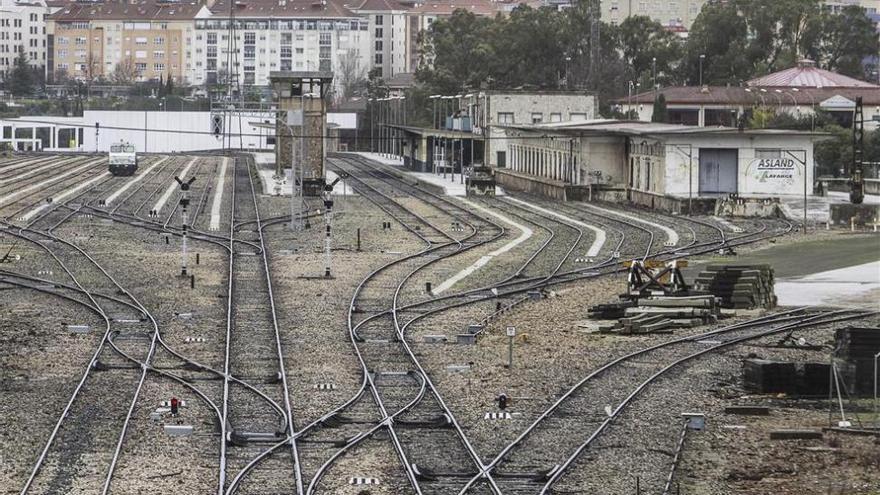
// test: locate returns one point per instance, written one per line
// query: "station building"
(467, 129)
(658, 165)
(800, 91)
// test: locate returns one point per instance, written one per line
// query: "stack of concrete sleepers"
(739, 286)
(664, 313)
(857, 346)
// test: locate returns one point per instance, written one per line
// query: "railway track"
(410, 410)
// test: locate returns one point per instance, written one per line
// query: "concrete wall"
(168, 131)
(605, 156)
(872, 186)
(529, 184)
(753, 176)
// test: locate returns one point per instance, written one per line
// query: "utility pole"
(184, 203)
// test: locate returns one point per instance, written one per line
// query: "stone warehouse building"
(655, 164)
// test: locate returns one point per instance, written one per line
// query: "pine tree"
(169, 86)
(659, 114)
(21, 80)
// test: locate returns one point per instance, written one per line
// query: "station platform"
(452, 185)
(266, 168)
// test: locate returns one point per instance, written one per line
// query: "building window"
(505, 118)
(378, 59)
(378, 20)
(159, 67)
(555, 117)
(286, 38)
(537, 118)
(80, 40)
(250, 38)
(140, 54)
(211, 38)
(140, 40)
(577, 116)
(158, 40)
(140, 67)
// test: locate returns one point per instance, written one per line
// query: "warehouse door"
(718, 170)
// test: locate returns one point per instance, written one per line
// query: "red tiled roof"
(724, 95)
(447, 7)
(126, 10)
(380, 5)
(807, 75)
(187, 9)
(324, 9)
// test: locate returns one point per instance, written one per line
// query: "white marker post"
(511, 333)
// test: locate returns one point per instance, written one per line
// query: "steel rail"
(806, 323)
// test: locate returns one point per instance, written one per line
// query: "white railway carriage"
(123, 159)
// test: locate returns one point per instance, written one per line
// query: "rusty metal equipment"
(650, 277)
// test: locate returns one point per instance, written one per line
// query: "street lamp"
(812, 108)
(654, 75)
(702, 57)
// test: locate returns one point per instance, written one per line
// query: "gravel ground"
(725, 458)
(39, 366)
(37, 358)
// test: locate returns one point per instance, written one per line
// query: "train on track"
(123, 159)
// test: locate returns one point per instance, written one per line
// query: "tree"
(529, 48)
(124, 74)
(840, 42)
(21, 80)
(169, 86)
(643, 40)
(376, 87)
(660, 114)
(456, 53)
(351, 74)
(721, 35)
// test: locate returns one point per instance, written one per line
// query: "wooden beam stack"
(739, 286)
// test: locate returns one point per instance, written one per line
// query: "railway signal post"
(327, 197)
(511, 333)
(184, 203)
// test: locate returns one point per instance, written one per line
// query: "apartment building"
(669, 13)
(679, 15)
(872, 7)
(389, 29)
(276, 35)
(120, 41)
(23, 29)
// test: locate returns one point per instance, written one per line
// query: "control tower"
(301, 124)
